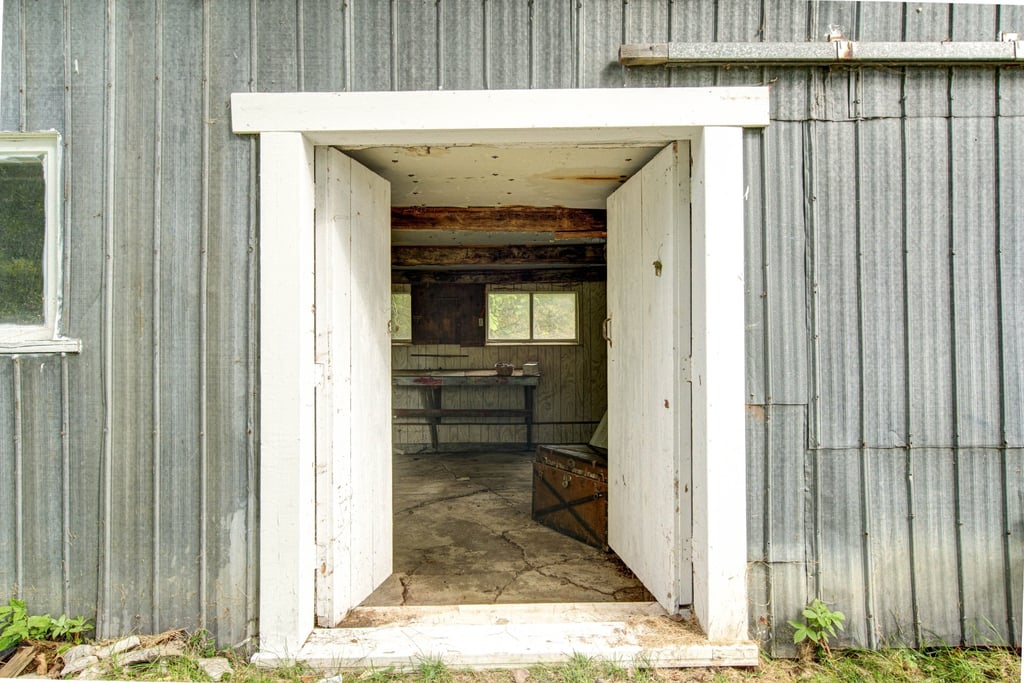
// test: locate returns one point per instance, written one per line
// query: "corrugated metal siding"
(884, 257)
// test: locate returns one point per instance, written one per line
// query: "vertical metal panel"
(229, 315)
(977, 372)
(882, 301)
(508, 46)
(836, 301)
(278, 37)
(601, 28)
(985, 575)
(177, 241)
(131, 323)
(13, 64)
(648, 21)
(324, 45)
(8, 482)
(43, 66)
(415, 37)
(755, 276)
(41, 476)
(692, 22)
(935, 531)
(787, 258)
(461, 56)
(372, 41)
(889, 544)
(842, 553)
(555, 34)
(929, 282)
(928, 22)
(1011, 259)
(84, 214)
(1015, 533)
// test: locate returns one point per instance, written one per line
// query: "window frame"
(531, 291)
(47, 337)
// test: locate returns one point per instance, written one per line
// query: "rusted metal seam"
(103, 625)
(157, 227)
(19, 473)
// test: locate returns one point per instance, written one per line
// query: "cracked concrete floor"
(463, 535)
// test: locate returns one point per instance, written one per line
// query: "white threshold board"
(506, 636)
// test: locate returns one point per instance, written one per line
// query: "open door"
(649, 498)
(353, 398)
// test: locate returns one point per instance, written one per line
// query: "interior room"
(499, 374)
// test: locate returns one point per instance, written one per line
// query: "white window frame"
(531, 341)
(45, 338)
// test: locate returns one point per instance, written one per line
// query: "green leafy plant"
(820, 624)
(16, 625)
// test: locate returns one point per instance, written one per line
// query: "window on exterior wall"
(401, 314)
(518, 317)
(30, 244)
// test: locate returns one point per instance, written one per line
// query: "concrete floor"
(463, 535)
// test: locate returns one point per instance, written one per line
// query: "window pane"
(22, 235)
(554, 316)
(508, 316)
(401, 316)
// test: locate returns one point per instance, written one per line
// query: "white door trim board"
(291, 124)
(506, 117)
(719, 446)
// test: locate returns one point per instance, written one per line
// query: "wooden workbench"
(433, 382)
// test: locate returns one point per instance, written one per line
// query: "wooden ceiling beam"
(500, 277)
(556, 219)
(527, 256)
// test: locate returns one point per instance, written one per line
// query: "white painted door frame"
(291, 124)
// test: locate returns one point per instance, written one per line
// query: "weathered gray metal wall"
(885, 307)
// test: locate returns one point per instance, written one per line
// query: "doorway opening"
(293, 128)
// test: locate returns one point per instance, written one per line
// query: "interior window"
(526, 317)
(401, 315)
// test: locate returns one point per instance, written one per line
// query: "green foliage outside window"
(401, 316)
(22, 239)
(531, 316)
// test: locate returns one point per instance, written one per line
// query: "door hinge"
(686, 369)
(318, 375)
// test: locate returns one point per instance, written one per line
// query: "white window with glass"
(532, 317)
(30, 245)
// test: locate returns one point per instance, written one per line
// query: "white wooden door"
(649, 498)
(353, 409)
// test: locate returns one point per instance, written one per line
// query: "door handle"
(606, 330)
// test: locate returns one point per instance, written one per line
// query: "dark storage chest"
(570, 492)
